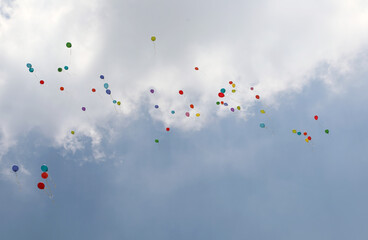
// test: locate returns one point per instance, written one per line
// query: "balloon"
(223, 90)
(42, 82)
(225, 104)
(263, 111)
(231, 82)
(196, 68)
(83, 109)
(93, 90)
(251, 88)
(233, 90)
(72, 132)
(181, 92)
(102, 76)
(327, 131)
(41, 185)
(167, 129)
(113, 101)
(232, 109)
(191, 106)
(106, 85)
(198, 114)
(222, 102)
(309, 138)
(152, 91)
(108, 91)
(238, 107)
(119, 103)
(29, 65)
(257, 96)
(156, 106)
(61, 88)
(44, 168)
(68, 45)
(294, 131)
(218, 103)
(262, 125)
(316, 117)
(299, 133)
(15, 168)
(172, 112)
(66, 67)
(305, 133)
(153, 38)
(221, 95)
(44, 175)
(156, 141)
(60, 69)
(31, 69)
(187, 114)
(233, 85)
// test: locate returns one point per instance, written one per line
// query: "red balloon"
(309, 138)
(196, 68)
(221, 95)
(251, 88)
(167, 129)
(42, 82)
(231, 82)
(61, 88)
(181, 92)
(44, 175)
(191, 106)
(316, 117)
(305, 133)
(257, 96)
(222, 102)
(93, 90)
(41, 185)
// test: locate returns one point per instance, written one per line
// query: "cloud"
(275, 46)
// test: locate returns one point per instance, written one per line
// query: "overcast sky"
(216, 176)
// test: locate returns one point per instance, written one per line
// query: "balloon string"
(17, 180)
(52, 181)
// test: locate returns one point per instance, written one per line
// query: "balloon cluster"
(221, 94)
(42, 185)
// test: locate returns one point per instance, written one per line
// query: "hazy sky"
(217, 176)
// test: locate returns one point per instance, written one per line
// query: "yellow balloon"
(72, 132)
(294, 131)
(238, 107)
(307, 140)
(233, 90)
(233, 85)
(153, 38)
(119, 103)
(198, 114)
(263, 111)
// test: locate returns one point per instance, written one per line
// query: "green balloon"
(44, 168)
(327, 131)
(156, 141)
(60, 69)
(68, 45)
(218, 103)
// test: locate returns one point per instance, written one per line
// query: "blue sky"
(219, 176)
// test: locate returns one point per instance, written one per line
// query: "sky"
(217, 176)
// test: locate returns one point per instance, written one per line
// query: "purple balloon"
(187, 114)
(232, 109)
(83, 109)
(152, 91)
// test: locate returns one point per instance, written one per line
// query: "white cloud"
(274, 46)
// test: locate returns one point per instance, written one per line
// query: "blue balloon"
(29, 65)
(225, 104)
(66, 67)
(31, 69)
(114, 101)
(102, 76)
(172, 112)
(156, 106)
(108, 91)
(106, 85)
(15, 168)
(223, 90)
(44, 168)
(262, 125)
